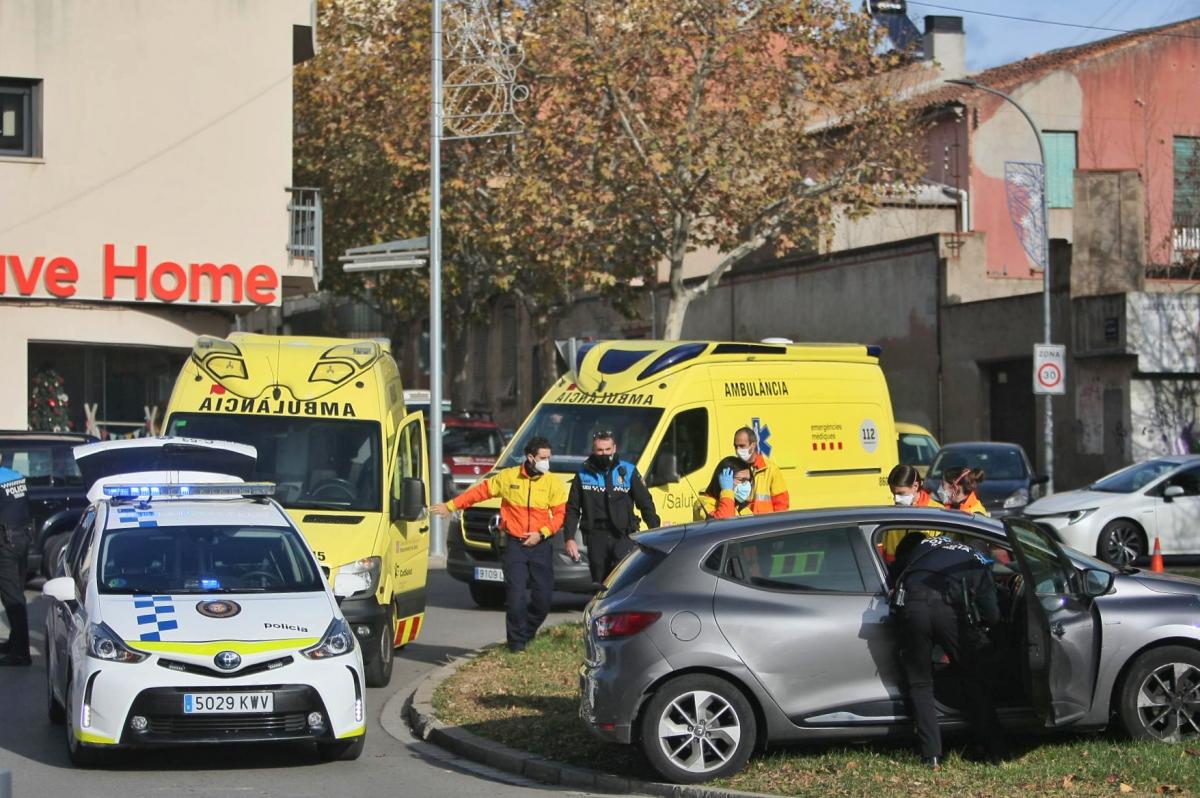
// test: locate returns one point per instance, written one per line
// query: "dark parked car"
(1009, 482)
(713, 640)
(56, 494)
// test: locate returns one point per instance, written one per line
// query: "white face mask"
(905, 499)
(541, 466)
(744, 454)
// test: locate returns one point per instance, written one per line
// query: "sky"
(994, 40)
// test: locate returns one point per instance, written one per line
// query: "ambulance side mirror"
(410, 504)
(665, 471)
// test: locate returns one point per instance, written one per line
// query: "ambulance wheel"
(487, 595)
(342, 750)
(377, 661)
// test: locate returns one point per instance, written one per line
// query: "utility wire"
(1054, 22)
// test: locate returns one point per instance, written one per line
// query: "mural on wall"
(1023, 186)
(1164, 417)
(1164, 331)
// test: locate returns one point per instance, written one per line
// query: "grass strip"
(530, 702)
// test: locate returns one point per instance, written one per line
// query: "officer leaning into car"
(14, 551)
(532, 505)
(601, 502)
(943, 594)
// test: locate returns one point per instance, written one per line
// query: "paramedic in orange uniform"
(533, 504)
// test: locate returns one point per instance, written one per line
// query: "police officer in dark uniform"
(14, 551)
(601, 502)
(943, 594)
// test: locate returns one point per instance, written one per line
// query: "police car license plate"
(218, 703)
(489, 574)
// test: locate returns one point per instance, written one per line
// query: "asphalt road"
(390, 766)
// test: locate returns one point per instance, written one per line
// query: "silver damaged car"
(716, 639)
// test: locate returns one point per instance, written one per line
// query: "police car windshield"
(569, 428)
(206, 559)
(314, 462)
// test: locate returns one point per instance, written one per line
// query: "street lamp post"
(1048, 410)
(437, 531)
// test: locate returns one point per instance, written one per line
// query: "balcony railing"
(305, 240)
(1185, 241)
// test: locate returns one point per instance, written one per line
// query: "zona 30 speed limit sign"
(1049, 368)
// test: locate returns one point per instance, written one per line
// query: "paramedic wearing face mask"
(905, 484)
(769, 493)
(532, 508)
(729, 492)
(958, 489)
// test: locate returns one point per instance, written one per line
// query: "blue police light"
(208, 583)
(190, 490)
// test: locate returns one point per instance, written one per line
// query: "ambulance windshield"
(570, 428)
(314, 462)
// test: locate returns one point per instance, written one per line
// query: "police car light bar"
(188, 490)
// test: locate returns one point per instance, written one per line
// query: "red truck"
(470, 446)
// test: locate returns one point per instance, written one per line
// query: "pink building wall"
(1126, 106)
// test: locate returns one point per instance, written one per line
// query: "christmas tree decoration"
(48, 403)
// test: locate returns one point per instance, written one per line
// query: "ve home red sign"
(124, 278)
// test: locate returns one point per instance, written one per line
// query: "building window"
(1187, 194)
(19, 109)
(1060, 168)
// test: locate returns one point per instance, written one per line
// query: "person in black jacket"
(943, 594)
(14, 549)
(601, 502)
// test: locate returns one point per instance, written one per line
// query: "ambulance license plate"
(489, 574)
(220, 703)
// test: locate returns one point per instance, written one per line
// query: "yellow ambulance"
(350, 467)
(822, 413)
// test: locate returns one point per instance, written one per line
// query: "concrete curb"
(418, 710)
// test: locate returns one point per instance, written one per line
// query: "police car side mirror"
(1172, 492)
(410, 504)
(665, 471)
(61, 588)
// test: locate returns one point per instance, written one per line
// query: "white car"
(1119, 517)
(193, 611)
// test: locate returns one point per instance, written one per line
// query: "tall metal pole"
(437, 540)
(1048, 409)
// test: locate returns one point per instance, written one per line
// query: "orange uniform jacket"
(770, 493)
(526, 504)
(972, 505)
(725, 507)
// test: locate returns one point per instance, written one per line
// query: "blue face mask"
(741, 491)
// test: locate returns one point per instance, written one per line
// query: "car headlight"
(337, 640)
(358, 577)
(1078, 515)
(445, 468)
(105, 644)
(1019, 498)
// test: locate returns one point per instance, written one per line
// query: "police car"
(193, 611)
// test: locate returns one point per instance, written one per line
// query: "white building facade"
(145, 191)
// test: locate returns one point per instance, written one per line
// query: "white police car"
(193, 611)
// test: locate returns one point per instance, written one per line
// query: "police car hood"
(108, 460)
(194, 627)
